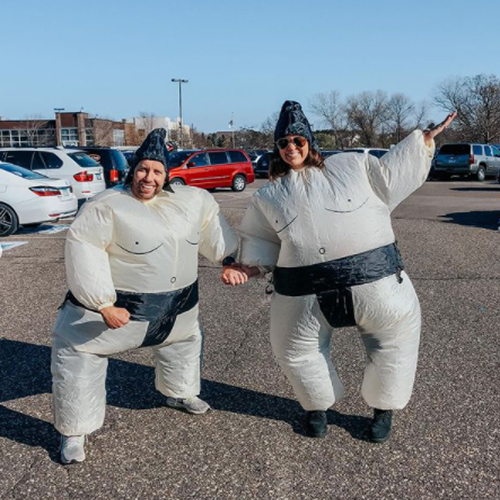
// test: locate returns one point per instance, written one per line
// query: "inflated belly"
(334, 236)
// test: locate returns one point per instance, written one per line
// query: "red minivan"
(211, 168)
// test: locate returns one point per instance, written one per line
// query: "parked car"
(211, 168)
(261, 166)
(128, 156)
(467, 159)
(28, 199)
(84, 174)
(329, 152)
(255, 154)
(377, 152)
(112, 160)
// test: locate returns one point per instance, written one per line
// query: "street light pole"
(180, 81)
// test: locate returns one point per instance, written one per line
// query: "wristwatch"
(228, 261)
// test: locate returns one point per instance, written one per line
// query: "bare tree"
(477, 100)
(36, 131)
(100, 131)
(366, 114)
(329, 107)
(420, 115)
(267, 128)
(400, 109)
(148, 121)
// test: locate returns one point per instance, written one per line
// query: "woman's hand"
(237, 274)
(430, 133)
(115, 317)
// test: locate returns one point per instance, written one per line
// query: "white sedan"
(28, 199)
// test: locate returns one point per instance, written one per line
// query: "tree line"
(377, 119)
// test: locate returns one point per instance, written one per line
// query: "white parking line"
(12, 244)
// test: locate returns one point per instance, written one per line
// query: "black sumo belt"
(160, 309)
(331, 281)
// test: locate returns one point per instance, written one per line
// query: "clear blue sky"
(117, 58)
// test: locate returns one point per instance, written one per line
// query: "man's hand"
(237, 274)
(430, 133)
(115, 317)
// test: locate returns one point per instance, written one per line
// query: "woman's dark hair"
(279, 168)
(130, 178)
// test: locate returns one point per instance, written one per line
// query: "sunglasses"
(299, 142)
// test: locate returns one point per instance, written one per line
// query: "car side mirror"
(191, 164)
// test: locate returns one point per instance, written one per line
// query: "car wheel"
(480, 174)
(9, 222)
(177, 181)
(239, 183)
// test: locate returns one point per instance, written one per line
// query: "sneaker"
(72, 449)
(380, 429)
(193, 405)
(316, 423)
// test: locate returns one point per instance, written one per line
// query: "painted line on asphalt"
(12, 244)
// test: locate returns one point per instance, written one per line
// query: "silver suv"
(467, 159)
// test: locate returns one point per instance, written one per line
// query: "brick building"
(67, 129)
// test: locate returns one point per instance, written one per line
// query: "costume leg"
(78, 389)
(300, 338)
(388, 318)
(178, 360)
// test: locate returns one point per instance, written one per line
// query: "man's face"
(149, 178)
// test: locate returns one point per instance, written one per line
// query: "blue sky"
(117, 58)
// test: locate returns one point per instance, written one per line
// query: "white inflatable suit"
(118, 243)
(313, 216)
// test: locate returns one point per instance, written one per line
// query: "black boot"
(380, 429)
(316, 424)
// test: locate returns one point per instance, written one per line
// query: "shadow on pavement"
(487, 220)
(479, 188)
(25, 371)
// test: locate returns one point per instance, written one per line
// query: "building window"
(89, 136)
(118, 137)
(69, 136)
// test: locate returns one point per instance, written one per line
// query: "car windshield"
(119, 160)
(21, 172)
(83, 159)
(177, 158)
(455, 149)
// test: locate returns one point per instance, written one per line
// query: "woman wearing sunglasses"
(324, 229)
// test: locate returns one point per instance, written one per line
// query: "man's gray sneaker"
(193, 405)
(72, 449)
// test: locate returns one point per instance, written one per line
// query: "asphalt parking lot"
(445, 445)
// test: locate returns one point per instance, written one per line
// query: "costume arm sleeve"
(87, 264)
(259, 244)
(217, 239)
(402, 170)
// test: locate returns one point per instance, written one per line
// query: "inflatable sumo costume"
(141, 255)
(326, 234)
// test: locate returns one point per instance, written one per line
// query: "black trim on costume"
(160, 309)
(331, 281)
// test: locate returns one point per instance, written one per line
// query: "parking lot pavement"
(445, 444)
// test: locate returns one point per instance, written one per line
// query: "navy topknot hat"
(293, 121)
(153, 148)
